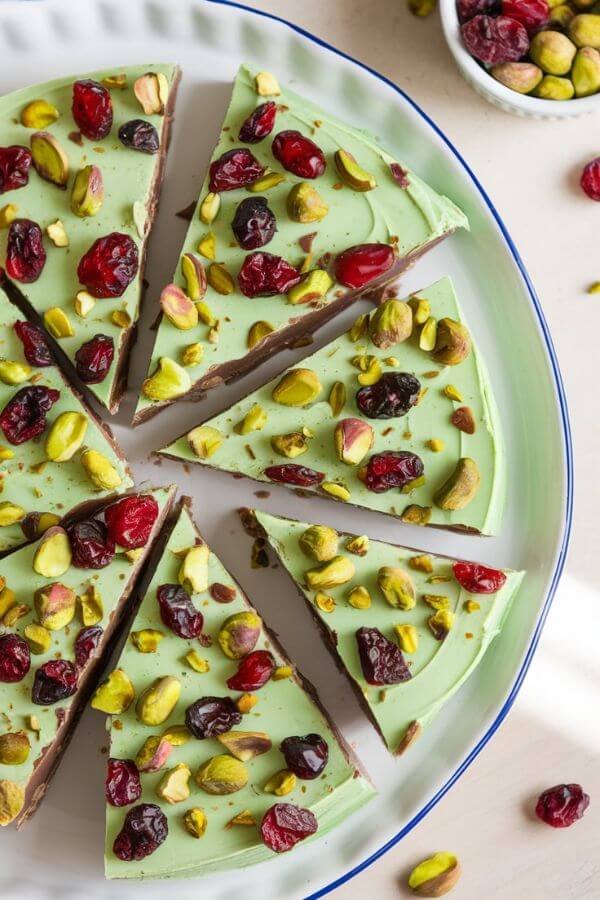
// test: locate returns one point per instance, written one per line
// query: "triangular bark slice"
(252, 437)
(72, 643)
(285, 706)
(131, 184)
(375, 588)
(393, 210)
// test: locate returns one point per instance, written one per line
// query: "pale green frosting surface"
(283, 709)
(438, 668)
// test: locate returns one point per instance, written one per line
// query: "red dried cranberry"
(92, 109)
(24, 416)
(254, 670)
(145, 828)
(494, 41)
(292, 473)
(25, 254)
(533, 14)
(392, 469)
(35, 346)
(123, 785)
(15, 163)
(178, 612)
(259, 123)
(15, 658)
(305, 756)
(469, 8)
(54, 680)
(264, 275)
(285, 824)
(91, 545)
(234, 169)
(253, 223)
(210, 716)
(130, 520)
(478, 579)
(139, 135)
(359, 265)
(393, 395)
(381, 660)
(85, 644)
(590, 179)
(109, 266)
(298, 154)
(561, 806)
(94, 359)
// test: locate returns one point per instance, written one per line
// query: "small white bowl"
(499, 94)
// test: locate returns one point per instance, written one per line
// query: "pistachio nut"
(7, 598)
(421, 309)
(437, 601)
(427, 335)
(391, 323)
(10, 513)
(460, 487)
(204, 441)
(244, 817)
(298, 387)
(452, 344)
(52, 557)
(14, 748)
(586, 72)
(176, 735)
(39, 523)
(561, 15)
(178, 308)
(121, 318)
(522, 77)
(6, 453)
(195, 822)
(222, 775)
(452, 393)
(245, 745)
(359, 597)
(193, 572)
(158, 701)
(58, 323)
(246, 703)
(194, 273)
(115, 694)
(66, 436)
(220, 279)
(174, 785)
(551, 87)
(332, 573)
(207, 246)
(421, 563)
(352, 174)
(91, 606)
(38, 638)
(100, 470)
(552, 51)
(435, 876)
(87, 193)
(319, 542)
(436, 445)
(397, 587)
(205, 313)
(153, 754)
(258, 332)
(84, 304)
(116, 82)
(281, 783)
(169, 381)
(197, 662)
(337, 397)
(408, 638)
(584, 30)
(440, 623)
(146, 640)
(282, 672)
(192, 354)
(267, 180)
(152, 91)
(54, 605)
(49, 159)
(39, 114)
(12, 800)
(290, 445)
(358, 545)
(16, 612)
(471, 606)
(324, 602)
(267, 85)
(359, 328)
(305, 204)
(336, 490)
(239, 633)
(312, 288)
(57, 234)
(353, 438)
(254, 420)
(8, 214)
(416, 515)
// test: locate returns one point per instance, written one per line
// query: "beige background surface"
(531, 171)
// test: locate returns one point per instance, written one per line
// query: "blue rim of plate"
(560, 392)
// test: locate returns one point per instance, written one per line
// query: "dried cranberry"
(533, 14)
(478, 579)
(392, 469)
(139, 135)
(469, 8)
(35, 346)
(264, 275)
(24, 416)
(54, 680)
(210, 716)
(123, 785)
(399, 175)
(590, 179)
(305, 756)
(254, 670)
(253, 223)
(234, 169)
(259, 123)
(92, 109)
(285, 824)
(222, 593)
(15, 163)
(393, 395)
(85, 644)
(357, 266)
(130, 520)
(94, 359)
(292, 473)
(494, 41)
(381, 660)
(15, 658)
(178, 612)
(25, 254)
(109, 266)
(561, 806)
(91, 545)
(298, 154)
(145, 828)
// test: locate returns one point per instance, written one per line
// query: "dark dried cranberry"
(264, 275)
(382, 661)
(92, 109)
(298, 154)
(139, 135)
(109, 266)
(533, 14)
(357, 266)
(392, 469)
(85, 644)
(478, 579)
(15, 658)
(94, 359)
(590, 179)
(494, 41)
(254, 670)
(210, 716)
(130, 520)
(25, 254)
(292, 473)
(178, 612)
(259, 123)
(253, 223)
(305, 756)
(285, 824)
(393, 395)
(145, 828)
(35, 346)
(91, 545)
(469, 8)
(54, 680)
(24, 416)
(15, 163)
(123, 785)
(234, 169)
(561, 806)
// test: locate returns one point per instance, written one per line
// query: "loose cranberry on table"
(92, 109)
(109, 266)
(91, 545)
(15, 163)
(391, 469)
(24, 416)
(357, 266)
(94, 358)
(478, 579)
(264, 275)
(85, 644)
(590, 179)
(178, 612)
(145, 828)
(234, 169)
(254, 670)
(305, 756)
(253, 224)
(123, 785)
(381, 660)
(210, 716)
(35, 346)
(561, 806)
(25, 254)
(495, 40)
(292, 473)
(54, 681)
(259, 124)
(393, 395)
(285, 824)
(15, 658)
(130, 520)
(298, 154)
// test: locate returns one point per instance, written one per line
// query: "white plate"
(59, 854)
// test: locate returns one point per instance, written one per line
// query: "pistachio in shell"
(552, 51)
(453, 342)
(522, 77)
(551, 87)
(586, 72)
(319, 542)
(391, 323)
(584, 30)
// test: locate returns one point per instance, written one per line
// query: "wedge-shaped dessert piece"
(220, 747)
(55, 454)
(408, 627)
(61, 601)
(300, 214)
(396, 416)
(81, 163)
